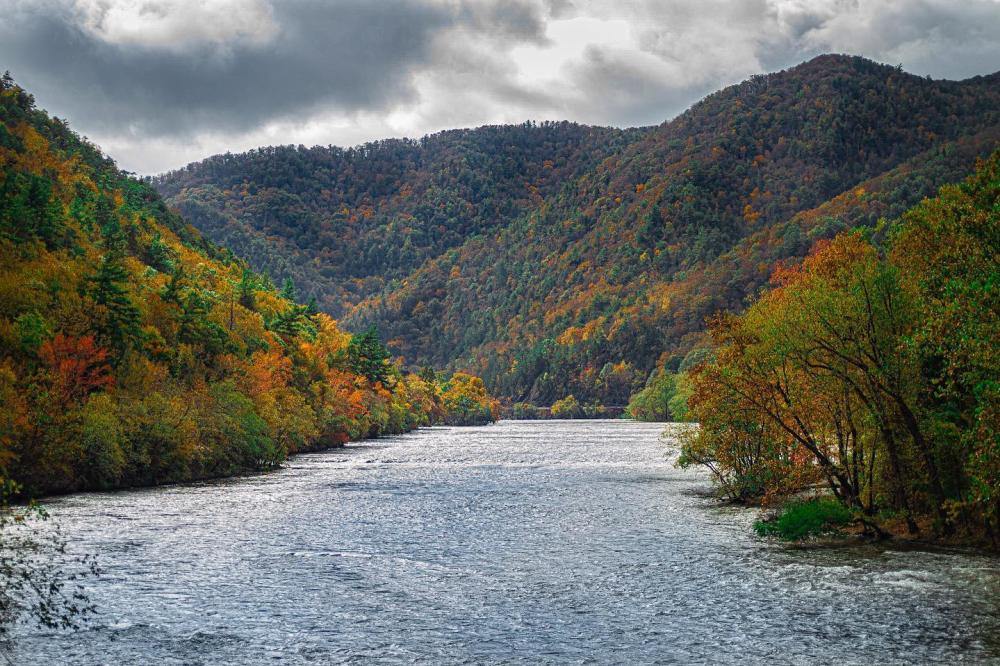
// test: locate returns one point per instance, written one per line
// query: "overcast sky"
(159, 83)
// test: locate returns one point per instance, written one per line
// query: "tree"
(369, 357)
(77, 367)
(247, 286)
(567, 408)
(652, 403)
(117, 317)
(466, 402)
(196, 328)
(947, 250)
(288, 290)
(428, 375)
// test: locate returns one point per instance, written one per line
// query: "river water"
(521, 542)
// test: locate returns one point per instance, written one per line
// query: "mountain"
(133, 351)
(345, 223)
(626, 239)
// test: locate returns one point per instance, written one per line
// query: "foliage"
(873, 373)
(679, 404)
(368, 357)
(466, 402)
(525, 411)
(652, 403)
(592, 297)
(948, 252)
(374, 213)
(35, 585)
(134, 352)
(567, 408)
(802, 519)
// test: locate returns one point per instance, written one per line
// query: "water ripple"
(519, 543)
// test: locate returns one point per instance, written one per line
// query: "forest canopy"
(135, 352)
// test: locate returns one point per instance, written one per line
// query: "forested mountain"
(615, 245)
(343, 223)
(135, 352)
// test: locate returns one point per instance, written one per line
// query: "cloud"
(161, 82)
(177, 25)
(942, 38)
(681, 50)
(178, 68)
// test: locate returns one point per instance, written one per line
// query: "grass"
(802, 519)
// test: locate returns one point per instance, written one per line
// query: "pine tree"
(118, 318)
(428, 375)
(248, 283)
(172, 292)
(368, 357)
(288, 290)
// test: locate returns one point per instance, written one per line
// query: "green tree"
(369, 357)
(247, 286)
(652, 403)
(288, 290)
(428, 375)
(117, 317)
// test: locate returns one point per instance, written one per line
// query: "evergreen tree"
(196, 328)
(288, 290)
(117, 324)
(427, 374)
(248, 283)
(368, 357)
(172, 292)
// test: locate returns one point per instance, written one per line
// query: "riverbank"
(319, 447)
(810, 520)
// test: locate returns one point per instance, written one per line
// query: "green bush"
(807, 518)
(102, 442)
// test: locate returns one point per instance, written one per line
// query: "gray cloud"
(357, 57)
(942, 38)
(162, 82)
(685, 49)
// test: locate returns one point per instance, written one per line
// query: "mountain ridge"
(589, 288)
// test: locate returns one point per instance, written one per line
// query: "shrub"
(567, 408)
(799, 520)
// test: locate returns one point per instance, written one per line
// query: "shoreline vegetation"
(134, 353)
(870, 371)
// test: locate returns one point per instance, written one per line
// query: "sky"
(160, 83)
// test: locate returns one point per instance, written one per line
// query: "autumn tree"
(77, 367)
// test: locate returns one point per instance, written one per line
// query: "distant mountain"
(558, 259)
(343, 224)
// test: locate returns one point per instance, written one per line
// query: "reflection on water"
(519, 542)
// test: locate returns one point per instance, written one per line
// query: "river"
(520, 542)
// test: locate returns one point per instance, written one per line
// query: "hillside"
(611, 267)
(135, 352)
(344, 223)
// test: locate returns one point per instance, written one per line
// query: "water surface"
(521, 542)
